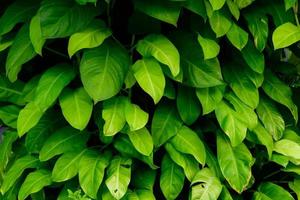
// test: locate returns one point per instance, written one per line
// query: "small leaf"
(219, 23)
(91, 37)
(187, 141)
(35, 34)
(9, 115)
(171, 178)
(150, 77)
(285, 35)
(103, 66)
(113, 115)
(217, 4)
(210, 47)
(76, 107)
(165, 123)
(63, 140)
(295, 186)
(118, 176)
(162, 50)
(254, 58)
(67, 166)
(205, 186)
(288, 148)
(16, 170)
(135, 116)
(34, 182)
(237, 36)
(142, 141)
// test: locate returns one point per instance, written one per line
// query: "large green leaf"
(235, 163)
(210, 97)
(135, 116)
(150, 77)
(19, 11)
(61, 141)
(210, 47)
(205, 186)
(187, 141)
(34, 182)
(16, 170)
(142, 141)
(219, 23)
(103, 66)
(118, 176)
(19, 53)
(91, 171)
(162, 10)
(270, 117)
(67, 166)
(161, 49)
(171, 178)
(268, 191)
(187, 162)
(285, 35)
(188, 105)
(279, 92)
(288, 148)
(165, 123)
(76, 107)
(254, 58)
(237, 36)
(113, 115)
(35, 34)
(63, 18)
(91, 37)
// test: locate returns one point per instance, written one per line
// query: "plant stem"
(57, 52)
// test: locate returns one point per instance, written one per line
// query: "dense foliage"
(149, 99)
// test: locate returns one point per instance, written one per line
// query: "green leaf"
(113, 115)
(162, 50)
(135, 116)
(91, 171)
(35, 34)
(19, 53)
(237, 36)
(187, 105)
(91, 37)
(19, 11)
(270, 117)
(285, 35)
(234, 9)
(258, 27)
(35, 138)
(76, 107)
(196, 6)
(142, 141)
(150, 77)
(210, 97)
(144, 178)
(171, 178)
(289, 4)
(84, 2)
(63, 140)
(9, 115)
(118, 176)
(288, 148)
(219, 23)
(28, 117)
(187, 141)
(67, 166)
(8, 138)
(217, 4)
(209, 47)
(272, 191)
(51, 83)
(165, 123)
(63, 18)
(187, 162)
(235, 163)
(295, 186)
(205, 186)
(16, 170)
(264, 137)
(243, 3)
(254, 58)
(34, 182)
(240, 82)
(279, 92)
(102, 66)
(162, 10)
